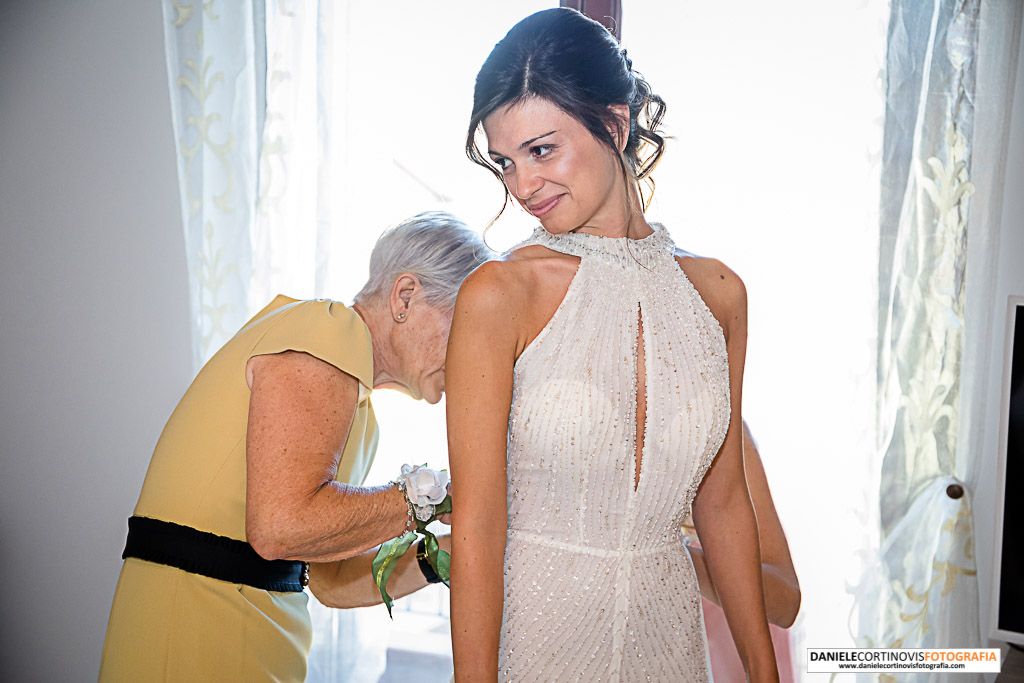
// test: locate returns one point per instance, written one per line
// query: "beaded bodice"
(598, 585)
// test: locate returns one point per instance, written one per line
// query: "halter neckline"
(624, 251)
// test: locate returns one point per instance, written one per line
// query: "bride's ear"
(618, 127)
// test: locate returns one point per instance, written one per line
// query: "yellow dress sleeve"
(325, 329)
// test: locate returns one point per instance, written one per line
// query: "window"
(775, 114)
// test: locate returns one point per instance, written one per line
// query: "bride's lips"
(541, 208)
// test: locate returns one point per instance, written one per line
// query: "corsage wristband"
(426, 493)
(424, 490)
(410, 523)
(421, 557)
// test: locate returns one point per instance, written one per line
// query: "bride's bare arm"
(781, 587)
(722, 511)
(478, 383)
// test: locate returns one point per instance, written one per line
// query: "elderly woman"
(255, 486)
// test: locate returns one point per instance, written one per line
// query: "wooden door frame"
(607, 12)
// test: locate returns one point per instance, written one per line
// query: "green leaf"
(385, 561)
(444, 506)
(439, 559)
(443, 568)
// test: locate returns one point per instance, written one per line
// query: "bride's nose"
(528, 181)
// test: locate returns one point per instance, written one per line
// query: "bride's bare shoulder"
(515, 277)
(535, 256)
(718, 285)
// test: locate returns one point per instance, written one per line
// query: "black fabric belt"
(217, 557)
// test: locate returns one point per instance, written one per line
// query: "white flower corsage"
(424, 488)
(426, 492)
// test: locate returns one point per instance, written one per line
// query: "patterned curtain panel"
(922, 590)
(289, 234)
(216, 76)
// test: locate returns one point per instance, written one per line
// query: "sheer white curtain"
(290, 234)
(1002, 28)
(924, 572)
(936, 283)
(215, 68)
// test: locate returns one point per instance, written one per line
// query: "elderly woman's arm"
(300, 413)
(349, 583)
(781, 587)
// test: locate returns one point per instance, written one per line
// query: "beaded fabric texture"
(598, 585)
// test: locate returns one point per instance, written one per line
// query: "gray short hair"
(435, 246)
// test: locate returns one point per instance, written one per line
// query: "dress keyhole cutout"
(641, 396)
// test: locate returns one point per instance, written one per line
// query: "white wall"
(1009, 280)
(93, 314)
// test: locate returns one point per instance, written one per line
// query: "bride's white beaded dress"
(598, 584)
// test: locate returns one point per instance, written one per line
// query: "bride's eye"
(541, 150)
(503, 163)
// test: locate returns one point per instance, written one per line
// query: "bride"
(594, 377)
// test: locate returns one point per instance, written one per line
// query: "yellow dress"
(170, 625)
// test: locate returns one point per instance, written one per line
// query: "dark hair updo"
(577, 65)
